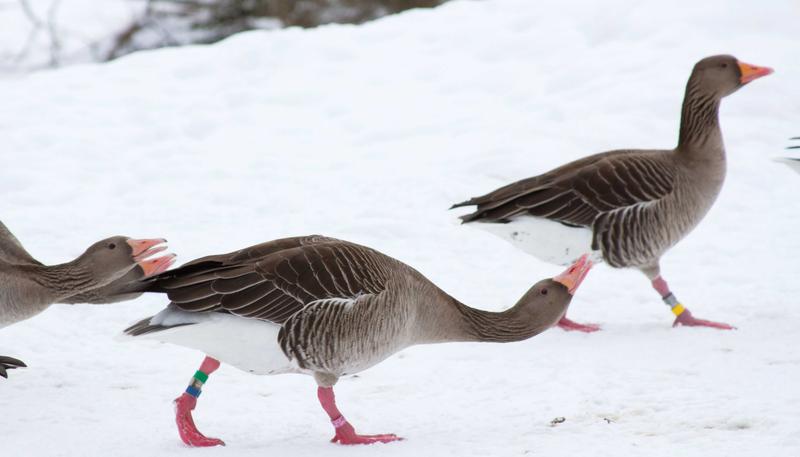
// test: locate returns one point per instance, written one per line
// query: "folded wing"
(274, 280)
(581, 191)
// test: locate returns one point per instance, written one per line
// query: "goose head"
(111, 258)
(549, 298)
(722, 75)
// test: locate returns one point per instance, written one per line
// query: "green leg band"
(200, 376)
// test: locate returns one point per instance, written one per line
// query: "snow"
(369, 133)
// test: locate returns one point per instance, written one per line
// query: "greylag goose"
(123, 288)
(326, 308)
(29, 287)
(626, 207)
(792, 162)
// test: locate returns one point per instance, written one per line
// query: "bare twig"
(122, 39)
(34, 32)
(26, 8)
(55, 40)
(177, 22)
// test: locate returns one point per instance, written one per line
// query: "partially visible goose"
(792, 162)
(121, 289)
(626, 207)
(29, 287)
(326, 308)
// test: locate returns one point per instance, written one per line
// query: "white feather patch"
(248, 344)
(547, 240)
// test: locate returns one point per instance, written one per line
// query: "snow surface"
(369, 133)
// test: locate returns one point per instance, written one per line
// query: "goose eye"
(543, 291)
(112, 246)
(724, 65)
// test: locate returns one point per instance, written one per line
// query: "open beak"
(155, 266)
(143, 250)
(574, 275)
(751, 72)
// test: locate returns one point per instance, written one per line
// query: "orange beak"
(751, 72)
(574, 275)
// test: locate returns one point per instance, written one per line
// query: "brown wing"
(274, 280)
(578, 192)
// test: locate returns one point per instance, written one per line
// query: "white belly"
(248, 344)
(549, 241)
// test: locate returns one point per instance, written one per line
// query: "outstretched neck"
(36, 287)
(513, 324)
(64, 280)
(699, 131)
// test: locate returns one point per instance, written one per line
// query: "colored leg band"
(339, 422)
(200, 376)
(678, 309)
(196, 384)
(198, 379)
(670, 300)
(193, 391)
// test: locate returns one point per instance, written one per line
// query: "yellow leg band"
(678, 309)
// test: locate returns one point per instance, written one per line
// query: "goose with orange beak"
(626, 207)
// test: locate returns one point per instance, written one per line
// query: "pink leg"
(569, 326)
(345, 433)
(661, 286)
(187, 402)
(682, 315)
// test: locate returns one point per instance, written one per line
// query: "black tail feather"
(8, 363)
(469, 202)
(466, 218)
(144, 327)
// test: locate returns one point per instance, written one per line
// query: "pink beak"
(145, 248)
(574, 275)
(158, 265)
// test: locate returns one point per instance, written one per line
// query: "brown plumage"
(124, 288)
(328, 308)
(28, 287)
(636, 204)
